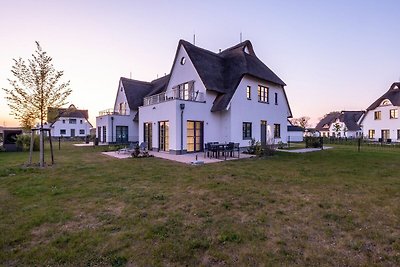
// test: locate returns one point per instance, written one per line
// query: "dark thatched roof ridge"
(223, 72)
(393, 94)
(54, 113)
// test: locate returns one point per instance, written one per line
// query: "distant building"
(295, 133)
(68, 122)
(381, 121)
(341, 124)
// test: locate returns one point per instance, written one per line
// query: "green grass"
(334, 207)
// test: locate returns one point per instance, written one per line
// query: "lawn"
(334, 207)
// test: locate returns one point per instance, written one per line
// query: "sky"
(333, 55)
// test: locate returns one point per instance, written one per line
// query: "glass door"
(122, 134)
(163, 135)
(148, 135)
(194, 136)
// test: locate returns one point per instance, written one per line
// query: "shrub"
(24, 142)
(314, 142)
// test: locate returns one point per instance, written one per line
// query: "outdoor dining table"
(220, 148)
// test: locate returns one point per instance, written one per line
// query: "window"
(72, 121)
(398, 134)
(276, 98)
(64, 121)
(394, 113)
(63, 131)
(185, 91)
(385, 134)
(248, 92)
(262, 94)
(277, 130)
(183, 61)
(377, 115)
(81, 121)
(371, 134)
(246, 130)
(81, 131)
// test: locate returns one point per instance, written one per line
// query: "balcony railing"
(112, 112)
(179, 94)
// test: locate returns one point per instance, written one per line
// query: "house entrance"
(148, 138)
(163, 135)
(263, 135)
(194, 136)
(72, 132)
(122, 134)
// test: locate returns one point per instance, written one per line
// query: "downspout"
(182, 106)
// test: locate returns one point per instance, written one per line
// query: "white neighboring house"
(230, 96)
(295, 133)
(68, 122)
(344, 124)
(381, 121)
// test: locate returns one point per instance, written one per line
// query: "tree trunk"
(41, 147)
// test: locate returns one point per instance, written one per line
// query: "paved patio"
(190, 158)
(304, 150)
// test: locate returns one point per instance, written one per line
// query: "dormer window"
(246, 50)
(385, 102)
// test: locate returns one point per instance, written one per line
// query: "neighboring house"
(341, 124)
(230, 96)
(295, 133)
(381, 121)
(68, 122)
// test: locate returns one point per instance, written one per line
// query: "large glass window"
(121, 134)
(246, 130)
(263, 94)
(194, 136)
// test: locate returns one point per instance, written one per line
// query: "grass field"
(334, 207)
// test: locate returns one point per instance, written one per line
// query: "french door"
(194, 136)
(122, 134)
(148, 135)
(163, 135)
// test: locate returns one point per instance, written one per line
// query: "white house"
(68, 122)
(381, 121)
(295, 133)
(230, 96)
(344, 124)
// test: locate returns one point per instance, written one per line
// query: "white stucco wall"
(385, 123)
(244, 110)
(62, 123)
(295, 136)
(119, 120)
(121, 98)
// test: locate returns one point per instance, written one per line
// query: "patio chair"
(229, 149)
(143, 147)
(236, 147)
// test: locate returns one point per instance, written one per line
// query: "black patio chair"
(229, 149)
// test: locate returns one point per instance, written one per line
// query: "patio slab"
(189, 158)
(304, 150)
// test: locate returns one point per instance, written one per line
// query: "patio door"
(263, 135)
(194, 136)
(148, 135)
(163, 135)
(122, 134)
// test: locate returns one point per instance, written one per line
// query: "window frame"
(263, 94)
(377, 115)
(276, 98)
(371, 134)
(248, 92)
(277, 130)
(63, 131)
(394, 113)
(247, 131)
(81, 131)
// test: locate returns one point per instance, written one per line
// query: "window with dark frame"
(63, 131)
(371, 134)
(248, 92)
(277, 131)
(72, 121)
(398, 134)
(246, 130)
(263, 94)
(276, 98)
(377, 115)
(394, 113)
(81, 131)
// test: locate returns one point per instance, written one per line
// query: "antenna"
(240, 36)
(130, 75)
(194, 39)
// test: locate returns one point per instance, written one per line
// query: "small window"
(276, 98)
(183, 61)
(371, 134)
(398, 134)
(277, 131)
(246, 130)
(248, 92)
(72, 121)
(394, 113)
(263, 94)
(63, 121)
(377, 115)
(81, 121)
(81, 131)
(63, 131)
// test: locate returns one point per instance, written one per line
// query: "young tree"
(35, 87)
(303, 121)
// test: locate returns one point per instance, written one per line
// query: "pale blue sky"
(333, 55)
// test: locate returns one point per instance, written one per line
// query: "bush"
(314, 142)
(255, 148)
(24, 142)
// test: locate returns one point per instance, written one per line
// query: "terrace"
(175, 94)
